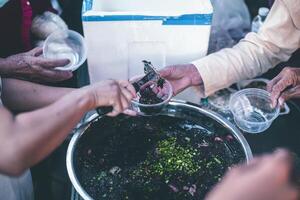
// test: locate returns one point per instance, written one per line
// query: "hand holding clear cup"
(284, 86)
(160, 95)
(66, 44)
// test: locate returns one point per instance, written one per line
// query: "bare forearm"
(21, 95)
(29, 137)
(5, 70)
(34, 135)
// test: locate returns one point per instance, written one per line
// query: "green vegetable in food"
(172, 158)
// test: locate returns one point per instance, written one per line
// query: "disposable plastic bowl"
(152, 109)
(261, 83)
(66, 45)
(252, 110)
(220, 100)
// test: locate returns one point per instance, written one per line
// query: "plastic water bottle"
(259, 19)
(87, 5)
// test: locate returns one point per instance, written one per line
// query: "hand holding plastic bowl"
(252, 110)
(71, 45)
(66, 44)
(165, 93)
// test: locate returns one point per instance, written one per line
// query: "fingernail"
(282, 152)
(281, 101)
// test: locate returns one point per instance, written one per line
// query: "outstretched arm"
(21, 95)
(29, 137)
(257, 53)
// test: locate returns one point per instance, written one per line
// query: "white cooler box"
(122, 33)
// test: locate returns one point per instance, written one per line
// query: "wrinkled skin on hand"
(264, 178)
(285, 86)
(32, 66)
(181, 77)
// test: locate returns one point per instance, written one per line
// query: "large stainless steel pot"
(174, 108)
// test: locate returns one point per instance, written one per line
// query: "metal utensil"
(101, 111)
(151, 75)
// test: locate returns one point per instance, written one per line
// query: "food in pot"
(158, 157)
(148, 96)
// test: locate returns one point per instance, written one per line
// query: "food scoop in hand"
(152, 76)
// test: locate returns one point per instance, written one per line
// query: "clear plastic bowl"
(220, 100)
(252, 110)
(152, 109)
(66, 45)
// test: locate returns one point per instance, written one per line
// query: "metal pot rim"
(215, 116)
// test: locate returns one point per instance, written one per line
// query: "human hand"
(181, 77)
(32, 67)
(264, 178)
(117, 94)
(285, 86)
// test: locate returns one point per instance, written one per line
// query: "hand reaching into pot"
(181, 77)
(264, 178)
(285, 86)
(31, 66)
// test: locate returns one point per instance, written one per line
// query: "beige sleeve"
(0, 91)
(254, 55)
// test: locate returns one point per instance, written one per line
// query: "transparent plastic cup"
(66, 45)
(165, 93)
(252, 110)
(261, 83)
(220, 100)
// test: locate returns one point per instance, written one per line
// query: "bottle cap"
(263, 11)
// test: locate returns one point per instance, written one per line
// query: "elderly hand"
(285, 86)
(264, 178)
(181, 77)
(32, 67)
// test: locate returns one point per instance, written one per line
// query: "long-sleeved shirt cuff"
(211, 80)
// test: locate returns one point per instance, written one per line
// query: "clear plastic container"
(252, 110)
(220, 100)
(165, 93)
(261, 83)
(66, 45)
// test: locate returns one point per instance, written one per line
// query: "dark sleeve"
(271, 3)
(40, 6)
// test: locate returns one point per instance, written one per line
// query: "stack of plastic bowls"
(66, 45)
